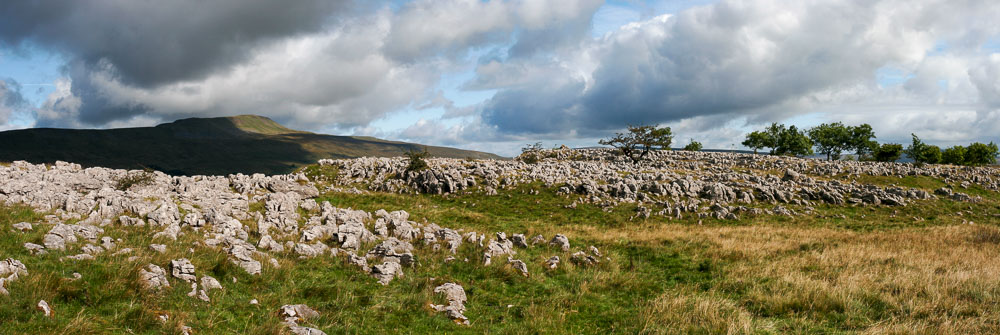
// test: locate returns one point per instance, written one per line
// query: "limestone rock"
(153, 277)
(455, 308)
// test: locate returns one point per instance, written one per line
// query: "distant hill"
(216, 146)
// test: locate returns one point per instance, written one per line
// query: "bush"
(887, 152)
(145, 177)
(531, 153)
(954, 155)
(782, 140)
(922, 153)
(639, 140)
(416, 158)
(981, 154)
(693, 146)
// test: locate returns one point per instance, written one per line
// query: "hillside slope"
(211, 146)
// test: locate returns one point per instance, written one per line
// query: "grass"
(882, 270)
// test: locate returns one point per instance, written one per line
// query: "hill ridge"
(217, 145)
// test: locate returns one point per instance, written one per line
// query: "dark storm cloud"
(11, 99)
(155, 42)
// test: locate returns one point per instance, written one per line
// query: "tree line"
(829, 139)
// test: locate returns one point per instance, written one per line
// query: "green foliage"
(922, 153)
(416, 160)
(981, 154)
(693, 146)
(144, 177)
(954, 155)
(781, 139)
(793, 142)
(531, 153)
(861, 140)
(887, 152)
(758, 140)
(831, 139)
(639, 140)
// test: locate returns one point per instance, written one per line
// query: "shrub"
(416, 158)
(954, 155)
(531, 153)
(144, 177)
(887, 152)
(922, 153)
(693, 146)
(981, 154)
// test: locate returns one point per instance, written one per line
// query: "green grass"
(661, 276)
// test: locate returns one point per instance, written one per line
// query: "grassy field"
(923, 268)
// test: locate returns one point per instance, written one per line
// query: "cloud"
(10, 99)
(763, 59)
(155, 42)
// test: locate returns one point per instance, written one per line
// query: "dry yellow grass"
(940, 280)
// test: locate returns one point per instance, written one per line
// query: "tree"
(888, 152)
(693, 146)
(831, 139)
(921, 152)
(758, 140)
(793, 142)
(954, 155)
(639, 140)
(861, 140)
(981, 154)
(416, 158)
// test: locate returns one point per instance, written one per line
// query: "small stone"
(456, 297)
(254, 302)
(208, 283)
(519, 240)
(560, 241)
(160, 248)
(552, 262)
(593, 250)
(35, 249)
(295, 313)
(22, 226)
(153, 277)
(518, 265)
(183, 269)
(44, 307)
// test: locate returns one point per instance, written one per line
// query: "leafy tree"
(831, 139)
(416, 158)
(981, 154)
(758, 140)
(793, 142)
(921, 152)
(954, 155)
(639, 140)
(862, 140)
(931, 154)
(887, 152)
(693, 146)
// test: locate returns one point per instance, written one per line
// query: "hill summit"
(211, 146)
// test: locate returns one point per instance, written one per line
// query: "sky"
(498, 75)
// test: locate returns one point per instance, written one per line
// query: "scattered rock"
(160, 248)
(153, 277)
(560, 241)
(183, 269)
(22, 226)
(455, 309)
(518, 265)
(552, 262)
(44, 308)
(296, 313)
